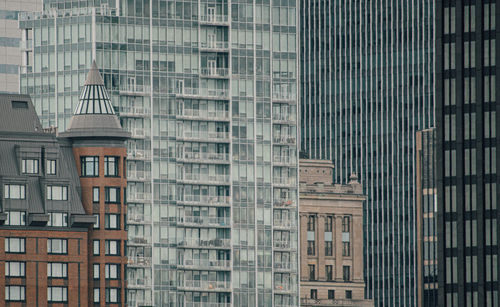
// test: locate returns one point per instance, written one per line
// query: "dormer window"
(56, 192)
(14, 191)
(16, 218)
(50, 167)
(29, 166)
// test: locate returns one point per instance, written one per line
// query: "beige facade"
(331, 236)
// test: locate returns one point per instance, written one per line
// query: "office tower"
(208, 91)
(10, 41)
(467, 118)
(47, 211)
(366, 88)
(427, 266)
(331, 232)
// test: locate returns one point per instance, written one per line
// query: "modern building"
(208, 91)
(367, 85)
(10, 41)
(467, 177)
(60, 246)
(427, 266)
(331, 232)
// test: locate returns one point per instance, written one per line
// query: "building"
(10, 42)
(331, 232)
(467, 118)
(427, 266)
(366, 86)
(213, 150)
(63, 206)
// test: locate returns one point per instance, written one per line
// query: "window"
(346, 222)
(348, 294)
(57, 270)
(14, 293)
(112, 271)
(50, 167)
(90, 166)
(57, 246)
(15, 269)
(97, 295)
(112, 295)
(58, 219)
(311, 223)
(96, 247)
(328, 248)
(95, 194)
(329, 272)
(312, 272)
(57, 192)
(15, 245)
(112, 195)
(347, 272)
(57, 294)
(314, 294)
(97, 273)
(29, 166)
(112, 221)
(328, 224)
(346, 249)
(14, 191)
(111, 166)
(331, 294)
(311, 249)
(16, 218)
(112, 247)
(96, 224)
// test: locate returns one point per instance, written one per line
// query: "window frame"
(64, 270)
(51, 167)
(85, 162)
(50, 192)
(22, 268)
(107, 271)
(22, 244)
(312, 272)
(24, 165)
(346, 273)
(22, 293)
(107, 191)
(107, 162)
(64, 246)
(7, 191)
(107, 220)
(108, 295)
(50, 293)
(107, 247)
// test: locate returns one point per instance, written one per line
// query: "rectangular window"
(90, 166)
(97, 272)
(15, 293)
(112, 221)
(311, 248)
(57, 294)
(14, 191)
(112, 271)
(96, 224)
(96, 247)
(111, 166)
(16, 218)
(331, 294)
(50, 167)
(329, 272)
(112, 295)
(57, 270)
(311, 223)
(346, 249)
(95, 194)
(314, 294)
(15, 245)
(312, 272)
(57, 246)
(112, 247)
(29, 166)
(346, 224)
(58, 219)
(57, 192)
(328, 224)
(15, 269)
(328, 248)
(346, 273)
(97, 295)
(348, 294)
(112, 195)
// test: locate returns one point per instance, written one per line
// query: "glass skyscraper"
(208, 90)
(366, 83)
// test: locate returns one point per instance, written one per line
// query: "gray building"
(366, 82)
(208, 91)
(10, 41)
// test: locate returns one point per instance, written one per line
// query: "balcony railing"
(204, 220)
(206, 304)
(210, 264)
(134, 112)
(334, 302)
(284, 96)
(283, 287)
(199, 243)
(138, 240)
(138, 218)
(104, 10)
(283, 223)
(283, 117)
(139, 133)
(284, 266)
(139, 261)
(284, 139)
(139, 283)
(134, 175)
(284, 159)
(204, 93)
(204, 156)
(206, 200)
(214, 45)
(135, 90)
(214, 19)
(138, 154)
(289, 181)
(206, 135)
(204, 114)
(283, 202)
(281, 244)
(214, 72)
(204, 178)
(205, 285)
(138, 197)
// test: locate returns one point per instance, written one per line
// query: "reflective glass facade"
(366, 88)
(208, 91)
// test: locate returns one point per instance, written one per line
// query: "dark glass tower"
(467, 118)
(366, 88)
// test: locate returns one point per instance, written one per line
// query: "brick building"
(331, 232)
(62, 204)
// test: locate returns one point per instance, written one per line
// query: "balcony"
(202, 243)
(204, 285)
(138, 154)
(280, 118)
(139, 283)
(135, 112)
(138, 218)
(136, 240)
(206, 264)
(284, 97)
(284, 140)
(197, 221)
(135, 90)
(206, 304)
(283, 202)
(206, 136)
(138, 197)
(284, 266)
(217, 73)
(212, 46)
(284, 288)
(204, 115)
(214, 19)
(139, 133)
(284, 160)
(283, 224)
(197, 200)
(285, 181)
(24, 69)
(204, 179)
(204, 157)
(138, 261)
(203, 93)
(310, 302)
(26, 45)
(133, 175)
(281, 244)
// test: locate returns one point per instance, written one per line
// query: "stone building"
(62, 205)
(331, 234)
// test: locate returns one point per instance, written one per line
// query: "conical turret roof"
(94, 98)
